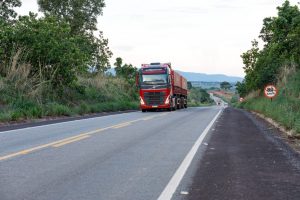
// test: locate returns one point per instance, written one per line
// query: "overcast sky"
(206, 36)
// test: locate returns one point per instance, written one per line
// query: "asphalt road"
(246, 159)
(191, 154)
(134, 156)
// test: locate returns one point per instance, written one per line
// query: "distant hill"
(192, 76)
(201, 77)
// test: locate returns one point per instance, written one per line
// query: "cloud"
(126, 48)
(182, 10)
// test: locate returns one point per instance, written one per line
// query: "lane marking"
(121, 125)
(71, 141)
(147, 118)
(46, 125)
(65, 140)
(171, 187)
(26, 151)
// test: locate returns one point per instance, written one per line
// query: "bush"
(198, 97)
(285, 108)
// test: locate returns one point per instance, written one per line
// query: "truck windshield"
(154, 79)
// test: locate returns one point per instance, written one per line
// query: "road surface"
(141, 156)
(126, 156)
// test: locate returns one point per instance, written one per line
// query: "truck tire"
(182, 102)
(144, 110)
(174, 106)
(178, 105)
(185, 103)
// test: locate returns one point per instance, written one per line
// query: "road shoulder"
(246, 159)
(54, 120)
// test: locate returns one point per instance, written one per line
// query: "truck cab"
(155, 82)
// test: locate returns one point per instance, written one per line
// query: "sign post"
(270, 91)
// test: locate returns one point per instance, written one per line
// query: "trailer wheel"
(185, 103)
(178, 104)
(181, 102)
(174, 106)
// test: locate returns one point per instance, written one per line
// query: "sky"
(205, 36)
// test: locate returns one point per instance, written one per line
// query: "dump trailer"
(161, 87)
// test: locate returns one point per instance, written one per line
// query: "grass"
(200, 104)
(285, 108)
(198, 97)
(55, 109)
(22, 98)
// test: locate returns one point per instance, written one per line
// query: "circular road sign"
(270, 91)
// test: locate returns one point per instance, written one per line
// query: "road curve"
(125, 156)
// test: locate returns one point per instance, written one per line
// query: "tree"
(276, 29)
(118, 63)
(199, 95)
(189, 85)
(7, 9)
(241, 89)
(281, 35)
(250, 57)
(127, 71)
(100, 54)
(225, 85)
(80, 14)
(47, 45)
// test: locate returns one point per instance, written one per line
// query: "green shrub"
(5, 116)
(283, 109)
(55, 109)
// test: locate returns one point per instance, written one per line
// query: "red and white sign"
(270, 91)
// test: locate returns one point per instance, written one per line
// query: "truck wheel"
(178, 105)
(185, 103)
(144, 110)
(182, 102)
(174, 104)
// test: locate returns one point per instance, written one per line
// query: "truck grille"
(154, 98)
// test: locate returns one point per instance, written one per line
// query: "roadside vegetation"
(54, 65)
(198, 97)
(278, 62)
(226, 92)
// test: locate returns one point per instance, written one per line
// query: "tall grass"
(285, 108)
(25, 96)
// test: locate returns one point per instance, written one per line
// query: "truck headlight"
(142, 101)
(167, 100)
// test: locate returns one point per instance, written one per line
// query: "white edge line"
(46, 125)
(180, 172)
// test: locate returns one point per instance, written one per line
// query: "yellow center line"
(148, 118)
(75, 138)
(26, 151)
(70, 141)
(121, 125)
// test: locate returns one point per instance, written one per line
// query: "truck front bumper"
(148, 107)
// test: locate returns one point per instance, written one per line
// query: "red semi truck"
(160, 87)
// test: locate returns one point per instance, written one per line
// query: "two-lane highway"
(125, 156)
